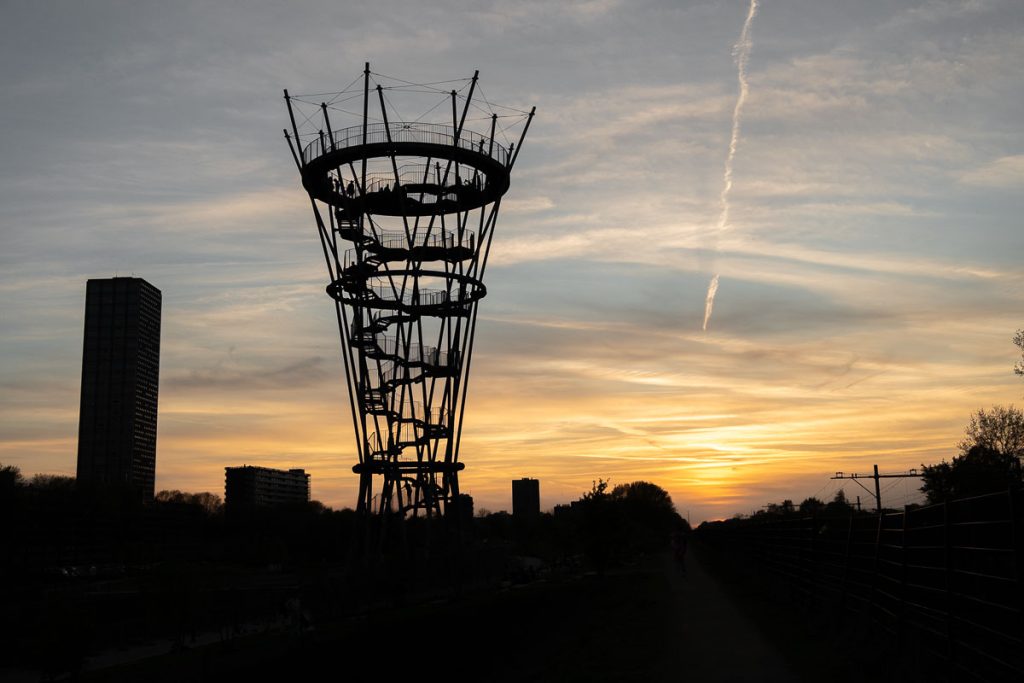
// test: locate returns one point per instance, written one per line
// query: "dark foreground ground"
(646, 622)
(617, 627)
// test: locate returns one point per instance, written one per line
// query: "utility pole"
(876, 476)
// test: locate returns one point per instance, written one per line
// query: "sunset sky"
(871, 272)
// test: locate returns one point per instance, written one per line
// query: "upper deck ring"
(435, 142)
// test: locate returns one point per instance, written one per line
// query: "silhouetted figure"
(351, 189)
(680, 541)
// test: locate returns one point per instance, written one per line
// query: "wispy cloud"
(1002, 173)
(295, 375)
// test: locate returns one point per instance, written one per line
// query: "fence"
(945, 579)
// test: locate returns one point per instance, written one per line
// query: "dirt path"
(718, 641)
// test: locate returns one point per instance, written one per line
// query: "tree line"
(989, 459)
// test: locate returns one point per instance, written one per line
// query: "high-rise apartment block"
(525, 498)
(120, 382)
(249, 487)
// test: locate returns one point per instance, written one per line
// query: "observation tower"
(405, 181)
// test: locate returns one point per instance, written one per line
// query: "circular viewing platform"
(477, 175)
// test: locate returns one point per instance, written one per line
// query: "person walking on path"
(680, 541)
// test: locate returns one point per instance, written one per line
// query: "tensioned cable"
(329, 104)
(487, 112)
(309, 117)
(421, 85)
(358, 115)
(439, 103)
(890, 486)
(502, 129)
(321, 94)
(388, 102)
(333, 92)
(336, 100)
(490, 109)
(458, 93)
(431, 91)
(498, 116)
(414, 87)
(513, 127)
(308, 120)
(492, 104)
(345, 89)
(815, 494)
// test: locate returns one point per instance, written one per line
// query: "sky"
(870, 269)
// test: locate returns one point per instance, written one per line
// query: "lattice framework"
(405, 209)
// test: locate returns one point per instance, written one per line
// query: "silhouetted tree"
(839, 504)
(786, 507)
(646, 515)
(598, 525)
(1018, 339)
(12, 486)
(999, 429)
(812, 506)
(52, 482)
(210, 503)
(990, 455)
(981, 470)
(169, 496)
(607, 526)
(598, 491)
(10, 478)
(645, 495)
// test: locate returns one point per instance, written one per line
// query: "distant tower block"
(247, 488)
(406, 205)
(120, 384)
(525, 498)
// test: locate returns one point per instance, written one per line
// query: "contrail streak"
(741, 53)
(709, 302)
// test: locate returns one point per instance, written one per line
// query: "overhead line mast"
(877, 493)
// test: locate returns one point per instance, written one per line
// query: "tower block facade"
(120, 384)
(405, 209)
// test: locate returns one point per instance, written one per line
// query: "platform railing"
(413, 413)
(429, 133)
(398, 240)
(402, 434)
(425, 297)
(417, 413)
(408, 353)
(417, 175)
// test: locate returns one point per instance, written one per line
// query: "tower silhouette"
(120, 383)
(405, 209)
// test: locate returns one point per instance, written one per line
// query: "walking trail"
(718, 641)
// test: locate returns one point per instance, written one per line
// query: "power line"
(877, 493)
